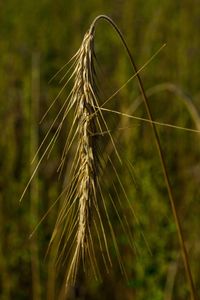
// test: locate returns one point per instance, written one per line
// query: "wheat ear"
(86, 179)
(76, 215)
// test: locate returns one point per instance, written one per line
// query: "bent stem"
(160, 152)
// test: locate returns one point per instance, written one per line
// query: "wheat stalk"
(79, 213)
(85, 181)
(188, 272)
(159, 148)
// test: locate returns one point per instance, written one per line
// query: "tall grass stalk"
(34, 187)
(74, 222)
(162, 159)
(79, 221)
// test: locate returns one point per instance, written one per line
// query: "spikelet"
(87, 160)
(72, 233)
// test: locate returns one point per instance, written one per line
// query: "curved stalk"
(160, 152)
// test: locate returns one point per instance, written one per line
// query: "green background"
(36, 39)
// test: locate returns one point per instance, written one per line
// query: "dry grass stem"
(83, 224)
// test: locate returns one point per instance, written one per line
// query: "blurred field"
(36, 39)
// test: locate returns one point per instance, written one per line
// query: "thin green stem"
(34, 187)
(161, 156)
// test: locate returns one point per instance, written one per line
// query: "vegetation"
(127, 236)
